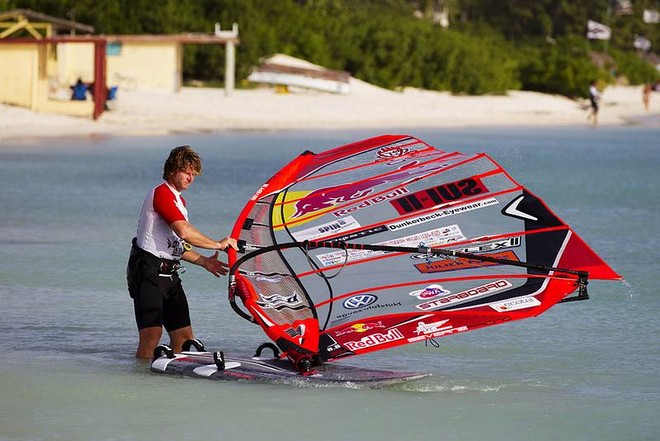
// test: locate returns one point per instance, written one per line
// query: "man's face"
(183, 179)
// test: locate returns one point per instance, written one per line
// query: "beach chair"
(79, 92)
(110, 99)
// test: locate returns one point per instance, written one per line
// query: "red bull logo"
(374, 339)
(371, 201)
(359, 328)
(328, 197)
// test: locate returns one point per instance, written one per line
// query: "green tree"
(491, 46)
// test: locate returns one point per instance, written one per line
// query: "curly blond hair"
(182, 158)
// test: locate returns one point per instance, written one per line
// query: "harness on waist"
(162, 265)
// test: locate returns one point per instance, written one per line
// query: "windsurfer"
(164, 237)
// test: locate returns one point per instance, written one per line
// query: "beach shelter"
(27, 44)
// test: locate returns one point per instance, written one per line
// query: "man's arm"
(186, 231)
(211, 263)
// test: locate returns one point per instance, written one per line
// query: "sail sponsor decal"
(258, 193)
(374, 339)
(279, 302)
(332, 347)
(512, 210)
(359, 328)
(329, 197)
(430, 292)
(437, 329)
(326, 229)
(371, 201)
(515, 304)
(510, 242)
(445, 212)
(456, 264)
(298, 331)
(435, 237)
(362, 233)
(277, 278)
(424, 328)
(472, 293)
(438, 195)
(405, 151)
(394, 153)
(359, 308)
(359, 301)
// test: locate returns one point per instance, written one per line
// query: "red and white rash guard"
(162, 206)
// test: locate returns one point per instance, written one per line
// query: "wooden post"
(100, 88)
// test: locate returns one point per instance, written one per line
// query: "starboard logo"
(359, 301)
(479, 291)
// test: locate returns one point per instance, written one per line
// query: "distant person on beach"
(646, 96)
(79, 91)
(164, 237)
(594, 98)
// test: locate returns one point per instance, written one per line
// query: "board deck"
(276, 370)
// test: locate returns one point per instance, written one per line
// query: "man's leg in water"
(149, 339)
(179, 336)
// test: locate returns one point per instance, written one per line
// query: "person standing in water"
(164, 237)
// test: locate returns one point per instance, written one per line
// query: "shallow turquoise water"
(584, 371)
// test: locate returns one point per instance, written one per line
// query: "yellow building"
(38, 64)
(141, 61)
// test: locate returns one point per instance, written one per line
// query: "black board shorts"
(158, 297)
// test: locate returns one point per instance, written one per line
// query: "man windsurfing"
(164, 237)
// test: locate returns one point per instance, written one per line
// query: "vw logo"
(359, 301)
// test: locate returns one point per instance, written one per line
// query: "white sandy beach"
(141, 112)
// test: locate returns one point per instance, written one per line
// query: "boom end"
(582, 289)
